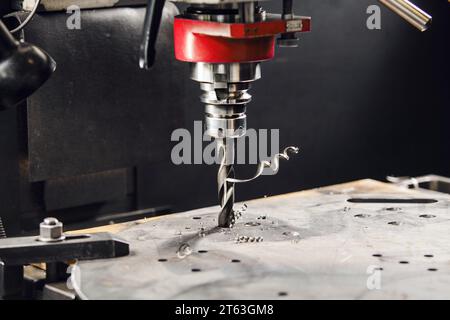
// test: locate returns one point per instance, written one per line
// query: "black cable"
(28, 19)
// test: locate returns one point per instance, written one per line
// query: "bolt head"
(51, 230)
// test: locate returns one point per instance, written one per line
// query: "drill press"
(225, 41)
(225, 44)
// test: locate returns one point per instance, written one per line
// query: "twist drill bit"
(225, 188)
(226, 179)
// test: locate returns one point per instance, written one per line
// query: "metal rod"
(28, 18)
(288, 11)
(410, 12)
(247, 10)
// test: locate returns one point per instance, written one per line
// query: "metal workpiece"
(327, 243)
(410, 12)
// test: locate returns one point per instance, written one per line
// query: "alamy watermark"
(200, 148)
(374, 20)
(73, 22)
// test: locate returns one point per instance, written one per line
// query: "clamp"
(53, 248)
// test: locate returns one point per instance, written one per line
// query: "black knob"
(23, 68)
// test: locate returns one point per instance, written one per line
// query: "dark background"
(359, 103)
(95, 140)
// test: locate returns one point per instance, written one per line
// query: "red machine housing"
(217, 42)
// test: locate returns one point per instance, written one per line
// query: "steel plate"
(316, 245)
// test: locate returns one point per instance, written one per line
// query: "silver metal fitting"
(410, 12)
(225, 122)
(51, 230)
(225, 72)
(287, 40)
(225, 95)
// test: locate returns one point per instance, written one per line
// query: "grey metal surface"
(315, 245)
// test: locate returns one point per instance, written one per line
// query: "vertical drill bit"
(225, 188)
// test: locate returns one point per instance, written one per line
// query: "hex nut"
(51, 230)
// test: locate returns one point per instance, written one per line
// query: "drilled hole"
(428, 255)
(432, 269)
(196, 270)
(377, 255)
(362, 215)
(202, 251)
(382, 200)
(403, 262)
(427, 216)
(282, 294)
(77, 237)
(235, 260)
(162, 260)
(393, 209)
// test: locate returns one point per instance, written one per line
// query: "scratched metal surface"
(317, 245)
